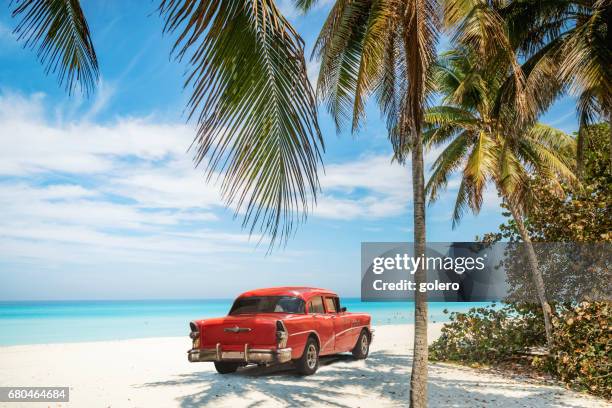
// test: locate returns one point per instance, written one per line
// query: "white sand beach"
(154, 372)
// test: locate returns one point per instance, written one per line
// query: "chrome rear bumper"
(249, 355)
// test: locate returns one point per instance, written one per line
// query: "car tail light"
(195, 334)
(281, 334)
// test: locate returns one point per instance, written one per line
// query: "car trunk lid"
(238, 330)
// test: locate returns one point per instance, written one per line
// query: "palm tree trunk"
(418, 379)
(536, 275)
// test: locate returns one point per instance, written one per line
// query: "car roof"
(303, 292)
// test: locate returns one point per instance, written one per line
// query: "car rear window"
(267, 304)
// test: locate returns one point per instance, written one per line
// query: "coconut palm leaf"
(392, 85)
(305, 5)
(445, 122)
(379, 33)
(484, 147)
(449, 115)
(58, 31)
(587, 57)
(449, 160)
(479, 167)
(461, 203)
(574, 34)
(542, 85)
(479, 26)
(339, 46)
(553, 151)
(380, 46)
(256, 116)
(420, 34)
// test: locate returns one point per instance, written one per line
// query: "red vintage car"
(278, 325)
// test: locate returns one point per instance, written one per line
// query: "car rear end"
(257, 342)
(246, 336)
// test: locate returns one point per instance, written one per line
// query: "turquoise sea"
(92, 320)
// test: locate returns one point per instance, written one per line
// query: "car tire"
(362, 348)
(226, 367)
(309, 362)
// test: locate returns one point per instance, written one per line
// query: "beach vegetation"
(506, 336)
(486, 146)
(512, 337)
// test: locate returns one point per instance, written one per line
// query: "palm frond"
(305, 5)
(256, 115)
(511, 177)
(589, 106)
(552, 151)
(445, 122)
(461, 203)
(479, 26)
(420, 36)
(532, 25)
(542, 87)
(479, 168)
(586, 52)
(339, 47)
(449, 160)
(380, 31)
(447, 114)
(58, 31)
(392, 83)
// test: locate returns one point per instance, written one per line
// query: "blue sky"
(99, 198)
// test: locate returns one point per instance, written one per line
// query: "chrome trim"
(305, 331)
(246, 352)
(256, 356)
(329, 341)
(351, 328)
(237, 329)
(284, 326)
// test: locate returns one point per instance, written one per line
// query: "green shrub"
(489, 334)
(583, 347)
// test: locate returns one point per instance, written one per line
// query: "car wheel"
(362, 348)
(309, 362)
(226, 368)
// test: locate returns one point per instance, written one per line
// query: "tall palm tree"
(576, 35)
(385, 48)
(255, 109)
(485, 146)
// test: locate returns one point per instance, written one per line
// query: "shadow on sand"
(383, 375)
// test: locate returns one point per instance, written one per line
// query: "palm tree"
(386, 48)
(255, 109)
(485, 146)
(574, 34)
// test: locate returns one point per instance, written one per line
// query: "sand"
(154, 372)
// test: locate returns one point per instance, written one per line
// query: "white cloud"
(105, 189)
(312, 69)
(128, 188)
(370, 187)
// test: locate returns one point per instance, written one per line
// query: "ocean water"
(76, 321)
